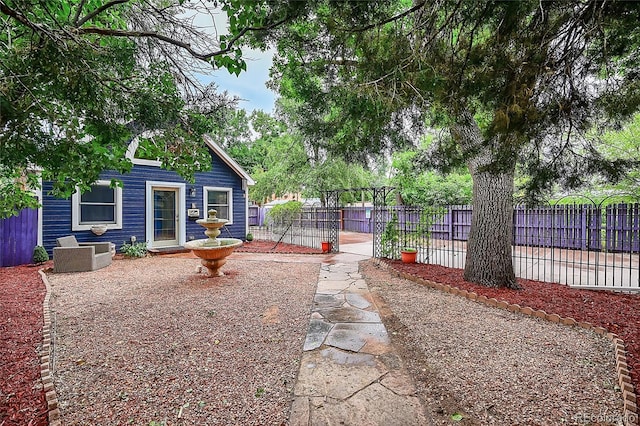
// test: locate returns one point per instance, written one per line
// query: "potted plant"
(249, 237)
(408, 255)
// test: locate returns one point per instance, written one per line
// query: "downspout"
(245, 189)
(40, 211)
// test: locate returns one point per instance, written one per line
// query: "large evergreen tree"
(513, 82)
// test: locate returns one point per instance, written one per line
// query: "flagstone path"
(349, 373)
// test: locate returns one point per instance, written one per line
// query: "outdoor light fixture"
(192, 192)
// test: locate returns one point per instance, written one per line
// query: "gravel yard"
(152, 342)
(495, 367)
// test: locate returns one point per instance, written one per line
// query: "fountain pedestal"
(213, 251)
(214, 259)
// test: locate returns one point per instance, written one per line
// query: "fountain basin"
(213, 255)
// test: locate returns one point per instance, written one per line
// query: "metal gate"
(379, 196)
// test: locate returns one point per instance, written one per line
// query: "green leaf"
(456, 417)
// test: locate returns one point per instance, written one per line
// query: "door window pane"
(164, 215)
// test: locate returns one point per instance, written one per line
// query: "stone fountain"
(213, 250)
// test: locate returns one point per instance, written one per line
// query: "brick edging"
(46, 362)
(622, 369)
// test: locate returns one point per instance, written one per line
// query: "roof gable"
(228, 160)
(217, 149)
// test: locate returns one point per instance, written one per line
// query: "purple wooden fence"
(256, 215)
(18, 236)
(357, 219)
(562, 226)
(622, 224)
(614, 228)
(459, 224)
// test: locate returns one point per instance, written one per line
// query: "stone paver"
(318, 331)
(349, 314)
(349, 374)
(353, 337)
(357, 301)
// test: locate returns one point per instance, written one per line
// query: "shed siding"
(57, 212)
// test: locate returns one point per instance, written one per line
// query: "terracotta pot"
(326, 246)
(409, 256)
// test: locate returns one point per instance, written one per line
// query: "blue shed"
(154, 205)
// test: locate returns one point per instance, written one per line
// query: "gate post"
(379, 218)
(333, 223)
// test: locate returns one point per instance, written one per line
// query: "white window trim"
(143, 162)
(75, 209)
(205, 199)
(131, 155)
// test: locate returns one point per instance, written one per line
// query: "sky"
(249, 86)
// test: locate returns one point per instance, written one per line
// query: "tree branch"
(80, 30)
(178, 43)
(78, 12)
(99, 10)
(18, 16)
(152, 34)
(391, 19)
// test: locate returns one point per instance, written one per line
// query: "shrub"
(40, 255)
(134, 250)
(284, 213)
(249, 236)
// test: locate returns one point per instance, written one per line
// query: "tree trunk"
(488, 260)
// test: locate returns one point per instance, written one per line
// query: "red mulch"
(619, 313)
(22, 400)
(263, 246)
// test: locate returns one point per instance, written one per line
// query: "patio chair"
(71, 256)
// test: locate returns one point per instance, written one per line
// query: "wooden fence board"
(18, 236)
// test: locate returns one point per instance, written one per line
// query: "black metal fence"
(591, 246)
(307, 228)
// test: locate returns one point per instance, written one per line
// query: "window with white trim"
(220, 199)
(102, 204)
